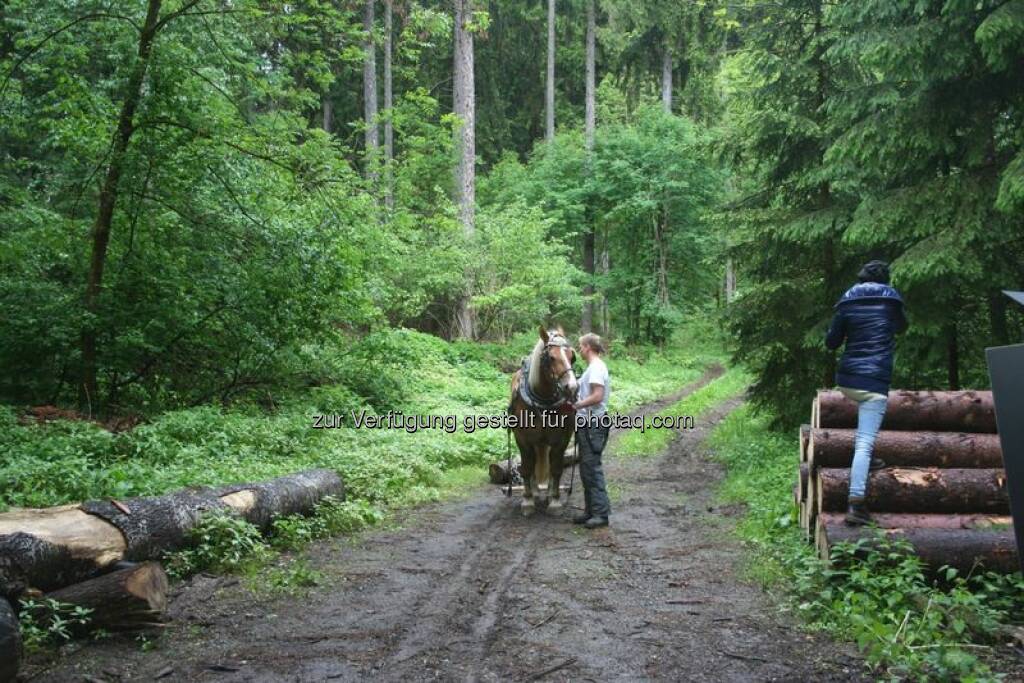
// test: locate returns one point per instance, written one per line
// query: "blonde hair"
(593, 341)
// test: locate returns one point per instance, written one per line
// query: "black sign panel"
(1006, 370)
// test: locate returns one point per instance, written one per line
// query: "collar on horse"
(528, 396)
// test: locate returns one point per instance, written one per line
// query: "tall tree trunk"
(666, 79)
(465, 144)
(107, 200)
(327, 107)
(730, 280)
(549, 94)
(997, 305)
(590, 120)
(370, 91)
(389, 103)
(660, 230)
(952, 356)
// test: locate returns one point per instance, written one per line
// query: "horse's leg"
(556, 458)
(541, 469)
(526, 459)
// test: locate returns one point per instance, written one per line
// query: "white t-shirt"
(596, 373)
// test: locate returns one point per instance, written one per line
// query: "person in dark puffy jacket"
(867, 318)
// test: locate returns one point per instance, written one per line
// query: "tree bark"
(834, 448)
(730, 281)
(804, 481)
(940, 411)
(805, 442)
(465, 145)
(962, 549)
(919, 490)
(372, 140)
(124, 600)
(89, 385)
(10, 642)
(660, 239)
(389, 103)
(953, 356)
(55, 547)
(909, 520)
(549, 92)
(589, 124)
(666, 79)
(327, 110)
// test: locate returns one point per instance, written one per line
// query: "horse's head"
(557, 360)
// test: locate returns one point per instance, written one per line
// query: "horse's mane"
(535, 356)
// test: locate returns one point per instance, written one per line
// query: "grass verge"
(651, 441)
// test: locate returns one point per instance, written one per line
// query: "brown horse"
(542, 394)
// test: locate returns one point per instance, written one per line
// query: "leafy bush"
(47, 622)
(222, 542)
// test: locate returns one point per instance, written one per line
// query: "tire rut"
(469, 590)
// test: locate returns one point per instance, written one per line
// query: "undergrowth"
(909, 624)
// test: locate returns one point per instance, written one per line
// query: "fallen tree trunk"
(834, 448)
(124, 600)
(962, 549)
(916, 520)
(51, 548)
(940, 411)
(919, 490)
(497, 472)
(10, 642)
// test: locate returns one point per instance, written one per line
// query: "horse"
(543, 390)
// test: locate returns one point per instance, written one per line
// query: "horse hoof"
(554, 505)
(526, 508)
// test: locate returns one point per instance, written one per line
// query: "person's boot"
(581, 518)
(857, 513)
(877, 464)
(595, 522)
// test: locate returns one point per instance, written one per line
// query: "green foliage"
(48, 623)
(909, 625)
(652, 441)
(873, 130)
(329, 518)
(220, 542)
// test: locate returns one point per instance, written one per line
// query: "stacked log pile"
(943, 488)
(98, 555)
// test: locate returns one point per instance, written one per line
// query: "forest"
(219, 218)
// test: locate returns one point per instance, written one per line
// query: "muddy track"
(469, 590)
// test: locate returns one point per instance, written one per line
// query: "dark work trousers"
(591, 441)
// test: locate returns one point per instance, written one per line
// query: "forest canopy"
(198, 197)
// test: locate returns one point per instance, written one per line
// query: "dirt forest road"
(469, 590)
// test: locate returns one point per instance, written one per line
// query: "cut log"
(805, 478)
(56, 547)
(966, 550)
(911, 520)
(10, 643)
(834, 448)
(805, 438)
(940, 411)
(497, 472)
(919, 490)
(124, 600)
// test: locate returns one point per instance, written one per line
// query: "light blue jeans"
(869, 421)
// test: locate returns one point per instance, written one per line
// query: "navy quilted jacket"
(867, 317)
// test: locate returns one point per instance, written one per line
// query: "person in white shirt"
(594, 388)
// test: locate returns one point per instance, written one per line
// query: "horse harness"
(539, 404)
